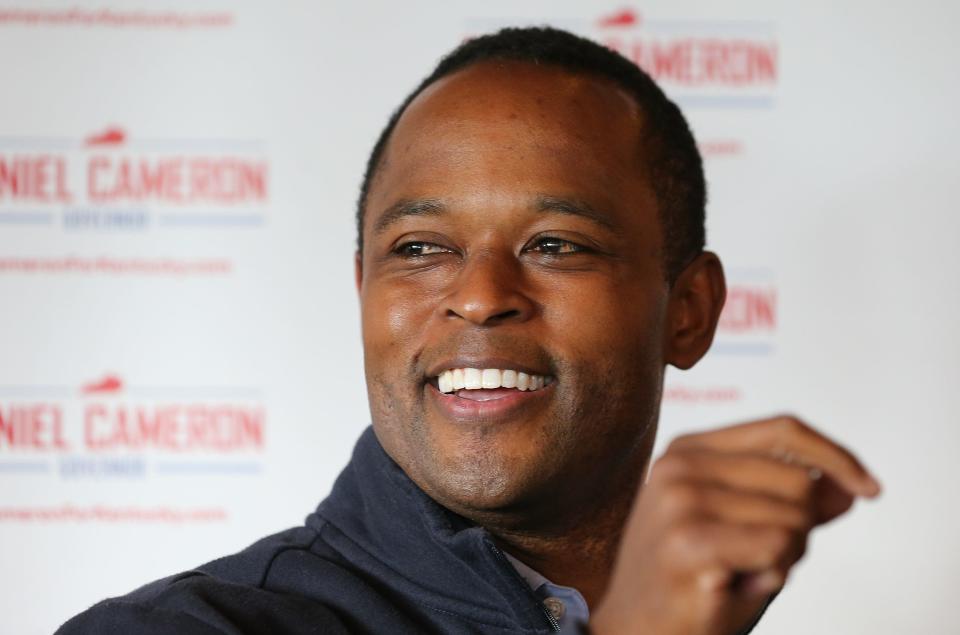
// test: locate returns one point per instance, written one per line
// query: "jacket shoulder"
(217, 598)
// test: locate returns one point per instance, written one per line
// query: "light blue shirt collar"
(563, 602)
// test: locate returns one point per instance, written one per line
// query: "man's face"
(511, 227)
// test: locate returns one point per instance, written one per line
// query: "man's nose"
(488, 290)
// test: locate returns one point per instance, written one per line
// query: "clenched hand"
(723, 517)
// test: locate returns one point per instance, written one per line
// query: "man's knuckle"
(681, 497)
(794, 551)
(789, 426)
(684, 539)
(779, 541)
(800, 485)
(803, 517)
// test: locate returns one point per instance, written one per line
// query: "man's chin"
(477, 461)
(495, 472)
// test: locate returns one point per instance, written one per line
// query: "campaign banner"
(181, 367)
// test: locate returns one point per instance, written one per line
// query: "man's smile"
(468, 382)
(481, 388)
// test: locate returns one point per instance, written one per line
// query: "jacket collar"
(445, 556)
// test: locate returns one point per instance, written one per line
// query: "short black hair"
(674, 165)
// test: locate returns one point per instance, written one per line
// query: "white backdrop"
(180, 363)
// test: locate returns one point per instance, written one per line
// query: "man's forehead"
(509, 122)
(513, 90)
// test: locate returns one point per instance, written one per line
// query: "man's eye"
(415, 249)
(557, 246)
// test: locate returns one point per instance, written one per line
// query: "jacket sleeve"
(115, 617)
(201, 605)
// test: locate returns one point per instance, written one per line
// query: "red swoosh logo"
(624, 17)
(109, 383)
(109, 137)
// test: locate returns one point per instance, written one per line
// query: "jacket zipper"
(554, 624)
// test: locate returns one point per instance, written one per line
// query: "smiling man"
(531, 257)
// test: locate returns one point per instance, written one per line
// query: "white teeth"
(445, 381)
(472, 379)
(489, 378)
(523, 381)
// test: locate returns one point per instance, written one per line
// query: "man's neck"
(580, 560)
(579, 553)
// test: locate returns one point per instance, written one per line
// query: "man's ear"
(695, 303)
(358, 269)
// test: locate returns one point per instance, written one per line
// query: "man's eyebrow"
(546, 203)
(408, 207)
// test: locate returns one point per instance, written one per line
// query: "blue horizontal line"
(46, 142)
(172, 143)
(202, 391)
(211, 392)
(731, 26)
(34, 391)
(25, 466)
(725, 101)
(217, 220)
(207, 467)
(26, 218)
(232, 144)
(591, 28)
(742, 348)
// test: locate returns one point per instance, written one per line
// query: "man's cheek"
(404, 314)
(601, 329)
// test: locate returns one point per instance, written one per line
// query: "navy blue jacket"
(378, 556)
